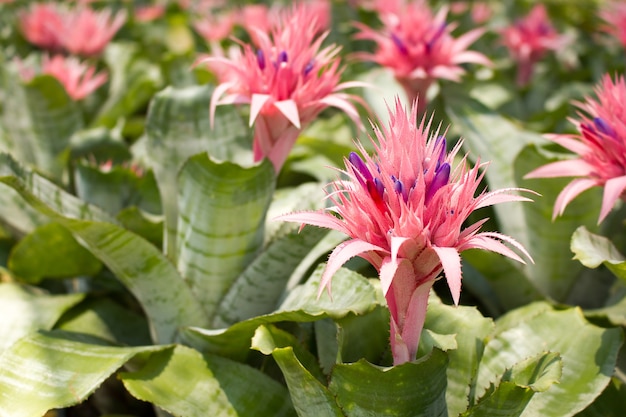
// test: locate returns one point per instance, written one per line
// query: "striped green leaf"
(56, 369)
(177, 127)
(222, 209)
(25, 309)
(588, 352)
(142, 268)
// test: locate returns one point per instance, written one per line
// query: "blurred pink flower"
(614, 13)
(600, 146)
(419, 48)
(287, 78)
(78, 78)
(404, 211)
(528, 40)
(87, 32)
(215, 27)
(42, 25)
(149, 13)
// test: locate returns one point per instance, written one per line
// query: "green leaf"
(351, 294)
(471, 330)
(108, 320)
(554, 271)
(57, 255)
(180, 382)
(594, 250)
(133, 81)
(589, 355)
(178, 127)
(611, 403)
(49, 370)
(153, 280)
(489, 136)
(24, 309)
(411, 389)
(222, 209)
(309, 396)
(518, 386)
(40, 121)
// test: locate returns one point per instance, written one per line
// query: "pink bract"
(419, 48)
(404, 210)
(287, 78)
(87, 32)
(42, 25)
(78, 78)
(600, 146)
(529, 39)
(614, 13)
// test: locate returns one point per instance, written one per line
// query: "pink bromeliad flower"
(614, 13)
(287, 78)
(404, 211)
(419, 48)
(42, 25)
(600, 146)
(87, 31)
(78, 78)
(529, 39)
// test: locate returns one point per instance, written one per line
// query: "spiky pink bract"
(419, 48)
(600, 146)
(87, 31)
(529, 39)
(79, 78)
(288, 78)
(404, 210)
(614, 13)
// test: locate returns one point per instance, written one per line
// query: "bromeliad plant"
(143, 272)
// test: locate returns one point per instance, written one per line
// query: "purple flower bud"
(308, 67)
(360, 167)
(282, 57)
(260, 59)
(436, 37)
(442, 175)
(399, 44)
(380, 188)
(400, 189)
(603, 126)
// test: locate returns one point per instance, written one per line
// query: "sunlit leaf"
(594, 250)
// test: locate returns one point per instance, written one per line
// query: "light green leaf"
(49, 370)
(489, 136)
(25, 309)
(40, 121)
(351, 294)
(153, 280)
(133, 81)
(411, 389)
(56, 254)
(554, 271)
(222, 210)
(180, 382)
(258, 289)
(178, 127)
(518, 386)
(471, 330)
(310, 398)
(594, 250)
(588, 352)
(108, 320)
(611, 403)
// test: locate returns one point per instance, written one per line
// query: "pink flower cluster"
(404, 210)
(78, 30)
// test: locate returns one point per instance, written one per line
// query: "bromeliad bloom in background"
(42, 25)
(419, 48)
(78, 78)
(404, 209)
(614, 13)
(287, 78)
(601, 148)
(529, 39)
(87, 31)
